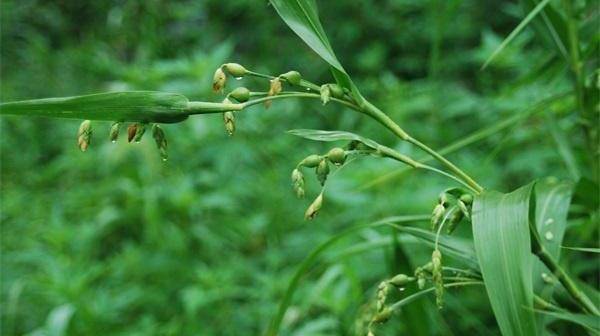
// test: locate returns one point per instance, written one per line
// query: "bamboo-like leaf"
(303, 18)
(319, 135)
(552, 206)
(136, 106)
(503, 247)
(515, 32)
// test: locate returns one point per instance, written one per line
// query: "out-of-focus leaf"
(590, 322)
(550, 25)
(58, 320)
(319, 135)
(303, 18)
(586, 193)
(503, 247)
(516, 31)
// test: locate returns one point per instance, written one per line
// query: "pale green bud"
(314, 207)
(322, 171)
(219, 79)
(466, 199)
(421, 282)
(84, 135)
(292, 77)
(311, 161)
(401, 280)
(234, 69)
(436, 216)
(455, 219)
(114, 131)
(336, 91)
(325, 93)
(229, 120)
(240, 94)
(337, 156)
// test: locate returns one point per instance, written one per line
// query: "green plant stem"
(303, 83)
(386, 121)
(564, 278)
(416, 295)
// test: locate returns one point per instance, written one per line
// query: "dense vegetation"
(116, 241)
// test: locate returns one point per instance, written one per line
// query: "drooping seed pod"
(314, 207)
(131, 131)
(298, 182)
(292, 77)
(84, 135)
(455, 218)
(443, 199)
(325, 93)
(336, 91)
(322, 171)
(274, 90)
(383, 316)
(236, 70)
(467, 199)
(436, 216)
(311, 161)
(141, 129)
(401, 280)
(161, 141)
(438, 280)
(337, 156)
(240, 94)
(219, 79)
(464, 209)
(114, 131)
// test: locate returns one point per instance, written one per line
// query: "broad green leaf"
(319, 135)
(551, 208)
(590, 322)
(303, 18)
(515, 32)
(503, 248)
(583, 249)
(142, 106)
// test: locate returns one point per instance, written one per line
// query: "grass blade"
(590, 322)
(583, 249)
(503, 247)
(515, 32)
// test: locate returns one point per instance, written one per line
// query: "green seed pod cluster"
(382, 292)
(438, 280)
(219, 79)
(298, 182)
(161, 141)
(292, 77)
(325, 92)
(337, 156)
(311, 161)
(382, 316)
(84, 135)
(322, 171)
(240, 94)
(141, 129)
(235, 69)
(314, 207)
(421, 273)
(274, 89)
(455, 217)
(114, 131)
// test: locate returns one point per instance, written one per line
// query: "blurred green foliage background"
(113, 241)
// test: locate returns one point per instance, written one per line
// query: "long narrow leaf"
(503, 247)
(303, 18)
(515, 32)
